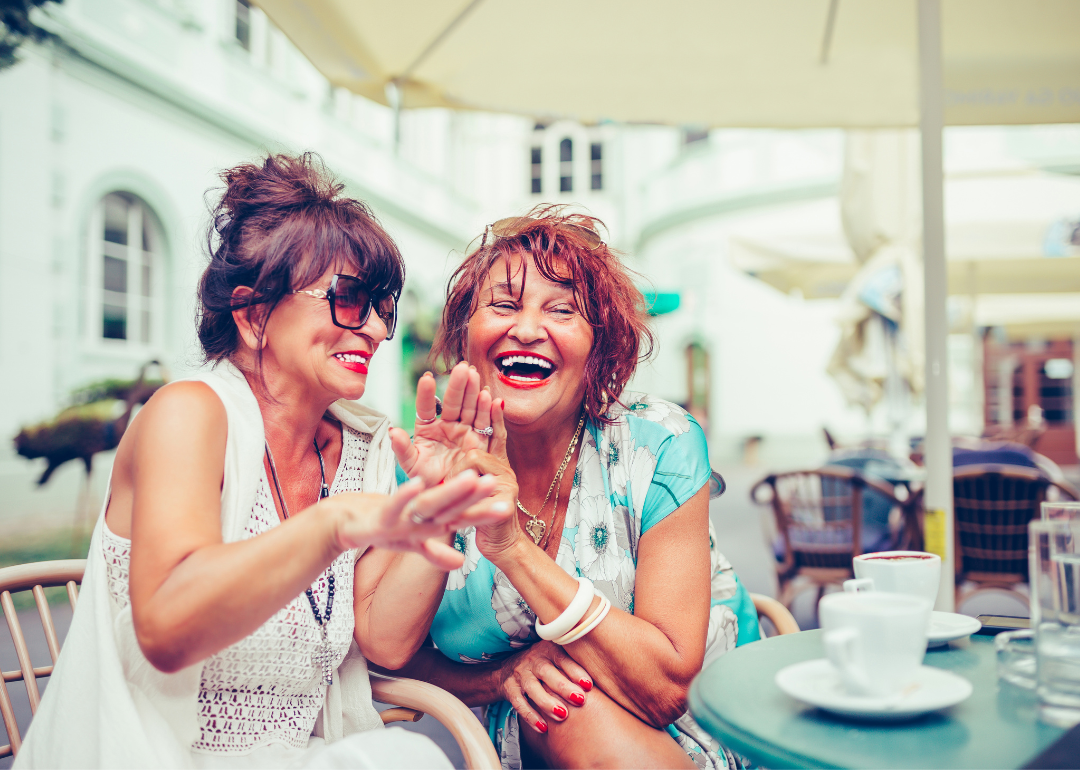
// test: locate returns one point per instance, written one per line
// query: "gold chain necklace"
(536, 527)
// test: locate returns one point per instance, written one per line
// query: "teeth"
(511, 360)
(351, 358)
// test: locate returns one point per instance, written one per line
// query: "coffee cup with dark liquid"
(914, 573)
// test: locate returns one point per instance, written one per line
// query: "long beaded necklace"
(323, 657)
(535, 526)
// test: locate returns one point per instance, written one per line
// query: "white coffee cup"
(875, 640)
(900, 572)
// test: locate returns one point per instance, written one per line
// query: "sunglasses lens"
(352, 302)
(386, 307)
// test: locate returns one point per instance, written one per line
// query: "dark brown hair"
(279, 226)
(604, 292)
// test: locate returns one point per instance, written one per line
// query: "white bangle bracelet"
(571, 616)
(578, 633)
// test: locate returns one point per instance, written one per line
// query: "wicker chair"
(993, 505)
(818, 516)
(411, 698)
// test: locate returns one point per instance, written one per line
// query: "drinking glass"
(1016, 657)
(1055, 614)
(1061, 510)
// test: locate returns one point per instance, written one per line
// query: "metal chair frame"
(411, 699)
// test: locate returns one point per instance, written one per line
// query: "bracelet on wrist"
(571, 616)
(588, 624)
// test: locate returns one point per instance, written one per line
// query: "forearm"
(477, 684)
(632, 660)
(223, 592)
(397, 597)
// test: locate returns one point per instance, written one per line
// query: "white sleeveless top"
(265, 689)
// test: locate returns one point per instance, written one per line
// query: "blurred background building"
(113, 132)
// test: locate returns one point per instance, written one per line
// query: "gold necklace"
(536, 527)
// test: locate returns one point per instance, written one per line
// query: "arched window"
(125, 271)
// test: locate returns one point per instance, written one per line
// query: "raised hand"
(438, 446)
(415, 519)
(492, 461)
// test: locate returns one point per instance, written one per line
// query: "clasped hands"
(459, 477)
(470, 436)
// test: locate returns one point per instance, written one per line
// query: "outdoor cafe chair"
(819, 517)
(410, 699)
(992, 506)
(776, 613)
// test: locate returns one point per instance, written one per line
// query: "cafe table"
(736, 700)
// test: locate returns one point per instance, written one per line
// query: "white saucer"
(947, 627)
(817, 683)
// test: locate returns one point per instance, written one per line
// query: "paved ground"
(739, 526)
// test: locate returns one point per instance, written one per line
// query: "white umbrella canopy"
(769, 63)
(998, 224)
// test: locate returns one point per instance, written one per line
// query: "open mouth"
(524, 368)
(355, 361)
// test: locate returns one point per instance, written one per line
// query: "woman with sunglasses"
(580, 622)
(241, 500)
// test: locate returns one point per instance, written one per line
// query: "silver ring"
(424, 421)
(488, 431)
(416, 517)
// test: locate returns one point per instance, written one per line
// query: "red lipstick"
(359, 367)
(520, 384)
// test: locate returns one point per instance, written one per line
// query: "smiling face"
(304, 350)
(530, 347)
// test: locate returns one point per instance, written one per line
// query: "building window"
(566, 165)
(243, 23)
(596, 159)
(537, 170)
(125, 274)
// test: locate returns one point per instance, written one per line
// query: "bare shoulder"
(183, 413)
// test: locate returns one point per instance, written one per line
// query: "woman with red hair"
(580, 622)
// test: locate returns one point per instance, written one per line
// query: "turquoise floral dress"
(629, 476)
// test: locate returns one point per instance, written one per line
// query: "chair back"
(34, 578)
(819, 515)
(993, 505)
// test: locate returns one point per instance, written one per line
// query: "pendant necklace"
(323, 657)
(535, 526)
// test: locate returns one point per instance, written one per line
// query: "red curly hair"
(564, 249)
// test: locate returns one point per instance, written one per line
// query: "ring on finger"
(424, 420)
(488, 431)
(415, 516)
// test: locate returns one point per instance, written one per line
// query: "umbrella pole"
(937, 446)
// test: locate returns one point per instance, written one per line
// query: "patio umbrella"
(770, 63)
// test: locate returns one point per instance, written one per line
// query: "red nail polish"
(541, 725)
(577, 699)
(586, 685)
(560, 712)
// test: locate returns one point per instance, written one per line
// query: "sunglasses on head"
(351, 303)
(511, 226)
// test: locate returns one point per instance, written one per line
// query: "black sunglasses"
(351, 304)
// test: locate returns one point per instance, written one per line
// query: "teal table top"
(736, 700)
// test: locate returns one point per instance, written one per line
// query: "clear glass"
(1055, 586)
(1061, 510)
(1016, 657)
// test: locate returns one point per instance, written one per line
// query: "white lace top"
(265, 689)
